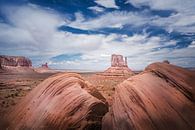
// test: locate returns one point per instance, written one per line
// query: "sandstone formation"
(166, 61)
(162, 97)
(118, 61)
(63, 101)
(15, 64)
(44, 65)
(15, 61)
(45, 69)
(118, 66)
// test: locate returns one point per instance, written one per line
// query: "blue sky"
(82, 34)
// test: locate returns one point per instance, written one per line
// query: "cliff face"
(15, 61)
(161, 97)
(63, 101)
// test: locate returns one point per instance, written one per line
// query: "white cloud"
(107, 3)
(182, 21)
(115, 19)
(96, 9)
(32, 31)
(178, 5)
(192, 45)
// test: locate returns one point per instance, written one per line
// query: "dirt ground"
(105, 84)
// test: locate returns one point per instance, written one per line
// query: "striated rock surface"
(160, 98)
(63, 101)
(15, 61)
(118, 67)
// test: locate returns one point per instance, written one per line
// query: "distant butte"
(18, 64)
(15, 61)
(119, 66)
(44, 65)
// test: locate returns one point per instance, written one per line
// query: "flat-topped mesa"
(118, 61)
(15, 61)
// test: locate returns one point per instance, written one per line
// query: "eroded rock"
(63, 101)
(15, 61)
(118, 67)
(161, 97)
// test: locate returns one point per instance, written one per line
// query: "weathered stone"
(15, 61)
(64, 101)
(44, 65)
(118, 61)
(118, 66)
(161, 97)
(166, 61)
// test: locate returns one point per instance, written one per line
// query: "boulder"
(161, 97)
(63, 101)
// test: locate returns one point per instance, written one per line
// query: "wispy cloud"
(107, 3)
(115, 19)
(96, 9)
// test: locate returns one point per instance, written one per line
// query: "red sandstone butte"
(63, 101)
(118, 66)
(160, 98)
(44, 65)
(18, 64)
(15, 61)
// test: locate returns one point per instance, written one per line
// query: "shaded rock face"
(161, 97)
(15, 61)
(63, 101)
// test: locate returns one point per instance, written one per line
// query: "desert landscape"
(97, 65)
(159, 97)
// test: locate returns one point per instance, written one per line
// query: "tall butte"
(119, 66)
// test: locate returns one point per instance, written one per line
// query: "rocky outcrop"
(118, 61)
(161, 97)
(118, 67)
(46, 69)
(166, 61)
(15, 64)
(15, 61)
(64, 101)
(44, 65)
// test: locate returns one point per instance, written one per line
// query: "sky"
(83, 34)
